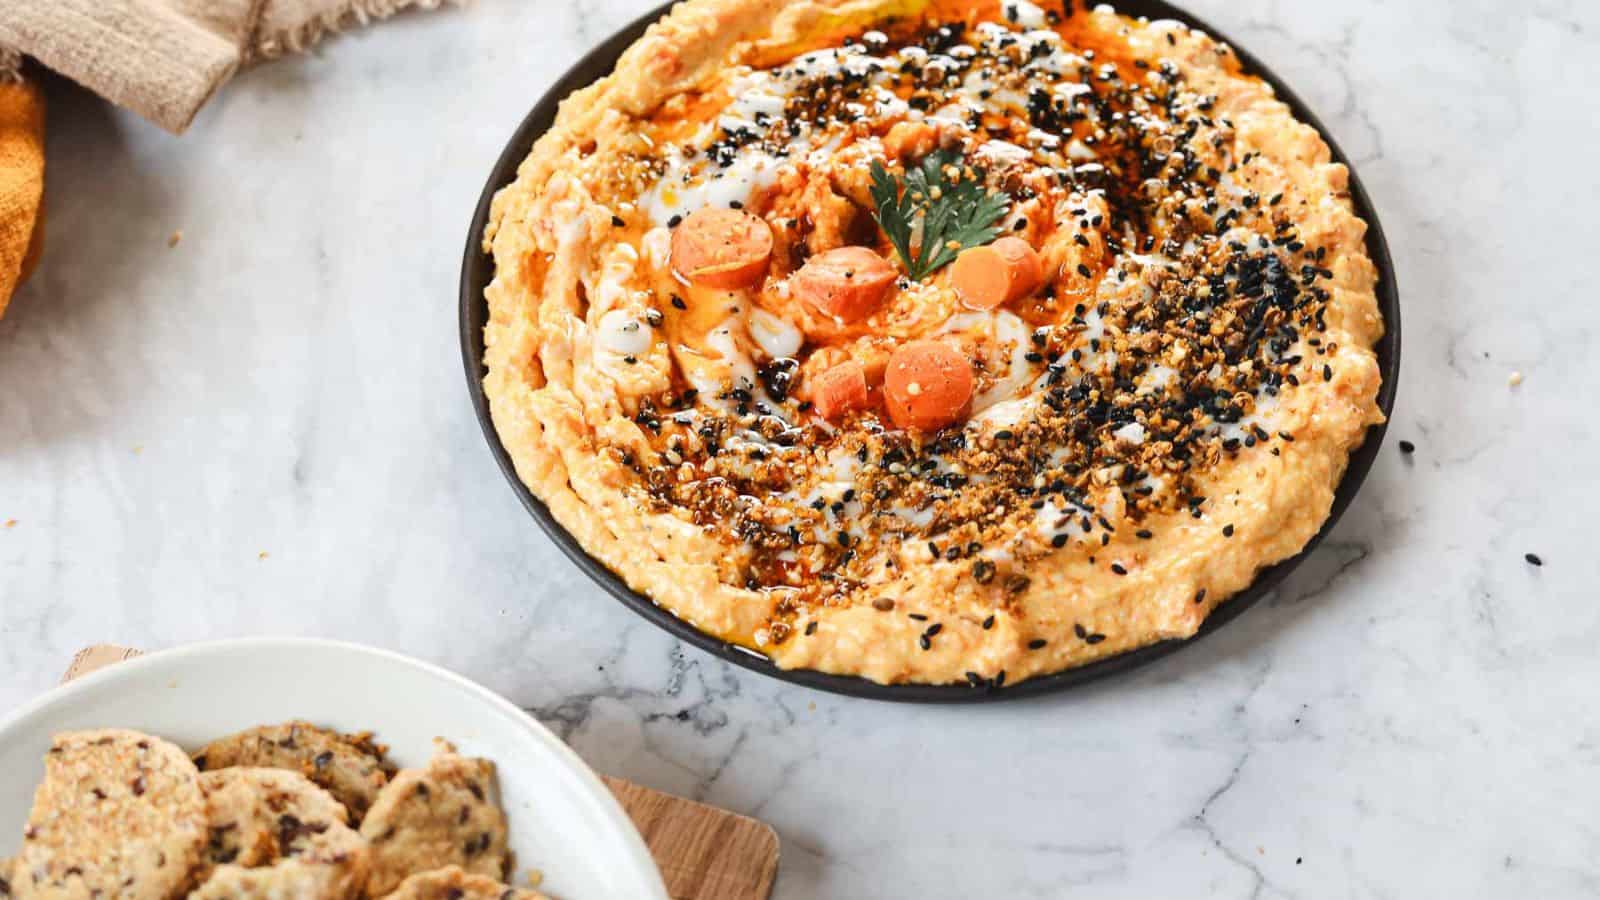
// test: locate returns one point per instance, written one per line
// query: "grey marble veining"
(265, 430)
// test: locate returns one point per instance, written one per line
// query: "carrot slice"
(998, 273)
(928, 385)
(848, 282)
(725, 249)
(840, 390)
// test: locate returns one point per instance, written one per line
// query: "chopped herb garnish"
(955, 213)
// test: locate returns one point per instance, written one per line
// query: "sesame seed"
(1533, 559)
(983, 571)
(1118, 568)
(1037, 643)
(1227, 530)
(1407, 447)
(988, 622)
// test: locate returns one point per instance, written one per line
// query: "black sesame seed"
(1407, 447)
(983, 571)
(923, 642)
(1118, 568)
(1533, 559)
(1036, 643)
(988, 623)
(1227, 531)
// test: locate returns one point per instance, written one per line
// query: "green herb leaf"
(960, 212)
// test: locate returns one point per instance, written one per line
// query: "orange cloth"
(21, 185)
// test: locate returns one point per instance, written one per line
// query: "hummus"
(929, 341)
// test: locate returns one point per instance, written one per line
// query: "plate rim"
(477, 271)
(600, 797)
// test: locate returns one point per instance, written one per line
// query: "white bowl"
(564, 821)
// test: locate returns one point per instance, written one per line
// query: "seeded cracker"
(453, 883)
(350, 767)
(258, 817)
(288, 880)
(119, 814)
(445, 814)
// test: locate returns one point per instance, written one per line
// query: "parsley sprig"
(955, 213)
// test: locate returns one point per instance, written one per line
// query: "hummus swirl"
(931, 341)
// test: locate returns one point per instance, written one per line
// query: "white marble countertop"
(264, 429)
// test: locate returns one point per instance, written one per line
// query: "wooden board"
(704, 853)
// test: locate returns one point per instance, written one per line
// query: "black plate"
(477, 269)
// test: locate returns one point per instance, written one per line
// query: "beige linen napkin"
(164, 58)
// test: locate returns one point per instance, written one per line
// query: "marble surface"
(264, 429)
